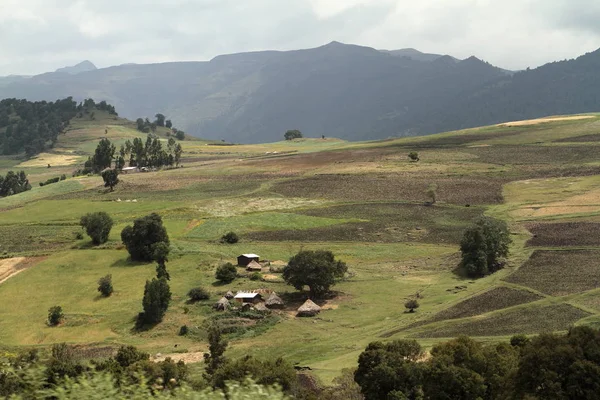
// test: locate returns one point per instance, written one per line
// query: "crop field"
(559, 273)
(365, 202)
(527, 320)
(561, 234)
(492, 300)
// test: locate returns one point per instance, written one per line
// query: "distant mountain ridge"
(83, 66)
(347, 91)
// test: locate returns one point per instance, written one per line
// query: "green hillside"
(365, 201)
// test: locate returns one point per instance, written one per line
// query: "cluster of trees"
(147, 126)
(13, 183)
(293, 134)
(33, 127)
(150, 154)
(88, 105)
(483, 246)
(548, 366)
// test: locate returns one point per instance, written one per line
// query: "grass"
(362, 201)
(559, 273)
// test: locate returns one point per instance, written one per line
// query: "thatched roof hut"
(254, 266)
(222, 304)
(274, 301)
(308, 309)
(229, 295)
(261, 307)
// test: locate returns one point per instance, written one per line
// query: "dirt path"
(10, 267)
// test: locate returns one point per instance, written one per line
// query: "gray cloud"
(42, 35)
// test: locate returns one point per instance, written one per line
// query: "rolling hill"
(363, 201)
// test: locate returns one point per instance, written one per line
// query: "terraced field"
(366, 202)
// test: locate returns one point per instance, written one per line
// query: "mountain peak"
(83, 66)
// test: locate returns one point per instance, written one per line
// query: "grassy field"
(366, 202)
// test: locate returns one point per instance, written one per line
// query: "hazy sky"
(42, 35)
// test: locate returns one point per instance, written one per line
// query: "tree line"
(33, 127)
(13, 183)
(146, 126)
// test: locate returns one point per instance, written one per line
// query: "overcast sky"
(42, 35)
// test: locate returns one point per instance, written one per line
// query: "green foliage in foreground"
(483, 245)
(545, 367)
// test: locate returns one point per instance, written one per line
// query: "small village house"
(248, 298)
(308, 309)
(245, 259)
(254, 266)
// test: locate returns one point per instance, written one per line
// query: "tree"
(180, 135)
(140, 124)
(293, 134)
(160, 119)
(226, 273)
(129, 355)
(141, 239)
(103, 155)
(161, 272)
(13, 183)
(230, 237)
(413, 155)
(97, 225)
(178, 152)
(111, 178)
(316, 269)
(411, 305)
(265, 372)
(168, 124)
(483, 245)
(157, 296)
(216, 350)
(55, 315)
(105, 286)
(160, 252)
(390, 368)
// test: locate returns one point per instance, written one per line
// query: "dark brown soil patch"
(564, 234)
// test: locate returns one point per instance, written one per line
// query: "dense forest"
(33, 127)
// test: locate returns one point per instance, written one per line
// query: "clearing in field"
(45, 159)
(547, 119)
(559, 273)
(8, 267)
(525, 320)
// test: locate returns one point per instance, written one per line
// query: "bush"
(97, 225)
(180, 135)
(411, 305)
(413, 155)
(293, 134)
(256, 276)
(230, 238)
(183, 330)
(226, 273)
(198, 294)
(55, 315)
(63, 177)
(105, 286)
(141, 239)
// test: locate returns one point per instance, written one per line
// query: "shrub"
(411, 305)
(293, 134)
(129, 355)
(55, 315)
(97, 225)
(63, 177)
(226, 273)
(141, 239)
(105, 286)
(198, 294)
(413, 155)
(230, 238)
(183, 330)
(256, 276)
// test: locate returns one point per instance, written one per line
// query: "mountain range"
(346, 91)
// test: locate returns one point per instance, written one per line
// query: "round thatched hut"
(274, 301)
(229, 295)
(308, 309)
(222, 304)
(261, 307)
